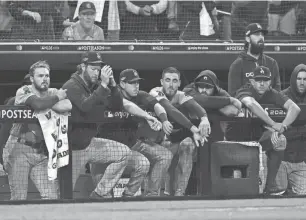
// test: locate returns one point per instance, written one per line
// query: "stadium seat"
(234, 169)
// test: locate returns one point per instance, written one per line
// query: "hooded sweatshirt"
(219, 99)
(292, 91)
(241, 70)
(295, 151)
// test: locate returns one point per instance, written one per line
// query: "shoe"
(152, 195)
(179, 193)
(274, 193)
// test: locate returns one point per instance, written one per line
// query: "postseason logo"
(16, 112)
(271, 111)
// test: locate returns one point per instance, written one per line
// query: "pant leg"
(281, 179)
(226, 27)
(103, 150)
(160, 159)
(79, 159)
(297, 178)
(18, 167)
(39, 174)
(138, 166)
(183, 167)
(172, 9)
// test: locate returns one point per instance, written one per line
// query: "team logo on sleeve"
(160, 93)
(26, 90)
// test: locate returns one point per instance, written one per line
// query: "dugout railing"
(205, 181)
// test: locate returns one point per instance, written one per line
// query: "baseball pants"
(160, 159)
(291, 177)
(21, 160)
(138, 167)
(102, 151)
(180, 168)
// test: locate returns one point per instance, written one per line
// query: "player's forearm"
(260, 113)
(160, 112)
(175, 115)
(292, 113)
(194, 108)
(229, 110)
(134, 109)
(62, 106)
(38, 103)
(212, 102)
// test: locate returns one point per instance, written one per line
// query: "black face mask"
(257, 48)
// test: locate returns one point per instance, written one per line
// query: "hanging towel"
(55, 127)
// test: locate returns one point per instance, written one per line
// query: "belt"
(31, 144)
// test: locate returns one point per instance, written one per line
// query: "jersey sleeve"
(182, 97)
(243, 92)
(23, 94)
(146, 99)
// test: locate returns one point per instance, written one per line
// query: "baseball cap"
(129, 75)
(205, 80)
(254, 28)
(261, 72)
(92, 58)
(87, 6)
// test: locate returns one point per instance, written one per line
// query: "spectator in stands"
(247, 12)
(84, 29)
(273, 141)
(253, 55)
(291, 176)
(301, 18)
(225, 8)
(282, 17)
(148, 20)
(6, 127)
(25, 153)
(179, 143)
(192, 26)
(34, 20)
(6, 21)
(206, 91)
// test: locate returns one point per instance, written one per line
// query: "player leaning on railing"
(182, 146)
(25, 152)
(273, 141)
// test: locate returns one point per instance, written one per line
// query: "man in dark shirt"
(86, 147)
(252, 56)
(149, 140)
(259, 92)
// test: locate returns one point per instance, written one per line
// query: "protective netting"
(149, 20)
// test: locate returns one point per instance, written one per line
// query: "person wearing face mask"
(253, 56)
(85, 29)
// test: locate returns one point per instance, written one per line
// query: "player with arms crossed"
(169, 92)
(259, 92)
(26, 152)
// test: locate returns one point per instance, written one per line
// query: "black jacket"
(88, 109)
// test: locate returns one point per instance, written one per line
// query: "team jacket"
(241, 70)
(86, 106)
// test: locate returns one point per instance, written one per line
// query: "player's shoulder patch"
(26, 90)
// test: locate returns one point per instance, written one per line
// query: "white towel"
(55, 127)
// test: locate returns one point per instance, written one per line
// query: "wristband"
(163, 117)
